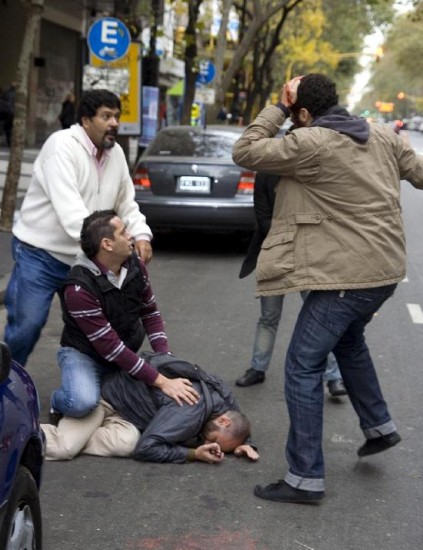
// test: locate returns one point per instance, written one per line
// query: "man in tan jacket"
(336, 231)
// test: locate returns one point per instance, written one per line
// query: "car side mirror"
(5, 362)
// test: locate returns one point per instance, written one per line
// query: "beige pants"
(102, 433)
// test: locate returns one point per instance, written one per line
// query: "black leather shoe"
(282, 492)
(379, 444)
(251, 377)
(336, 388)
(54, 417)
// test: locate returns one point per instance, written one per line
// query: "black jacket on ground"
(165, 426)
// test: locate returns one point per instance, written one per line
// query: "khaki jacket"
(337, 219)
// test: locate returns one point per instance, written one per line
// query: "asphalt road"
(370, 504)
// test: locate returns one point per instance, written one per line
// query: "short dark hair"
(316, 93)
(240, 428)
(92, 100)
(95, 228)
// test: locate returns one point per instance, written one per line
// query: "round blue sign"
(109, 39)
(206, 72)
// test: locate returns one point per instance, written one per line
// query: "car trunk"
(183, 177)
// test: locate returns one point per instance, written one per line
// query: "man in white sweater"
(78, 170)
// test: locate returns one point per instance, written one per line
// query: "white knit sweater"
(67, 185)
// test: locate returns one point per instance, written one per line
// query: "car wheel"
(22, 524)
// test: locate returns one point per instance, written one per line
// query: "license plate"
(193, 184)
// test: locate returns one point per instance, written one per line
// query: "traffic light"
(400, 95)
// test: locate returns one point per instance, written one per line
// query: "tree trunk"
(219, 56)
(19, 122)
(262, 66)
(261, 17)
(190, 58)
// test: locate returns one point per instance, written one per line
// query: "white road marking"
(416, 313)
(303, 545)
(338, 438)
(405, 280)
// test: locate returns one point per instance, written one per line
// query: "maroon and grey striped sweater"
(86, 311)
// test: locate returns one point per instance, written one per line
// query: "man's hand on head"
(246, 450)
(143, 250)
(288, 93)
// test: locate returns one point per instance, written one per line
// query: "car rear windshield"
(193, 144)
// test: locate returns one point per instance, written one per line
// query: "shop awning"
(177, 89)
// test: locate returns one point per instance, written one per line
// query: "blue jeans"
(267, 327)
(330, 320)
(35, 278)
(81, 383)
(332, 371)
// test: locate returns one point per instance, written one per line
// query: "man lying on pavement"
(136, 420)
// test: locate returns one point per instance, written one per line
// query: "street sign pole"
(205, 76)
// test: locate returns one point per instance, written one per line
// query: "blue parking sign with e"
(206, 72)
(109, 39)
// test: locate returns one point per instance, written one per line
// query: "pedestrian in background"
(7, 111)
(271, 306)
(337, 232)
(67, 115)
(78, 170)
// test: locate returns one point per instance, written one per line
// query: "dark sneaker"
(251, 377)
(282, 492)
(336, 388)
(54, 417)
(379, 444)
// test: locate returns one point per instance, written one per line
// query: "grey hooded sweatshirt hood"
(83, 260)
(338, 119)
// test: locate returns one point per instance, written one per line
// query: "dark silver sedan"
(186, 179)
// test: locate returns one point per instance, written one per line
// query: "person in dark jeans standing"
(7, 111)
(337, 232)
(271, 306)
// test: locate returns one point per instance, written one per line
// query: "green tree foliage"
(320, 36)
(406, 43)
(400, 71)
(302, 47)
(276, 39)
(345, 32)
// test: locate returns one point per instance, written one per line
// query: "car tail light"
(246, 183)
(141, 179)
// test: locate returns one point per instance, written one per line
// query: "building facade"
(59, 54)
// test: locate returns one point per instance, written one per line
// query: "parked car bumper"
(236, 214)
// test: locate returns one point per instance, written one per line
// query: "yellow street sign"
(130, 121)
(386, 107)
